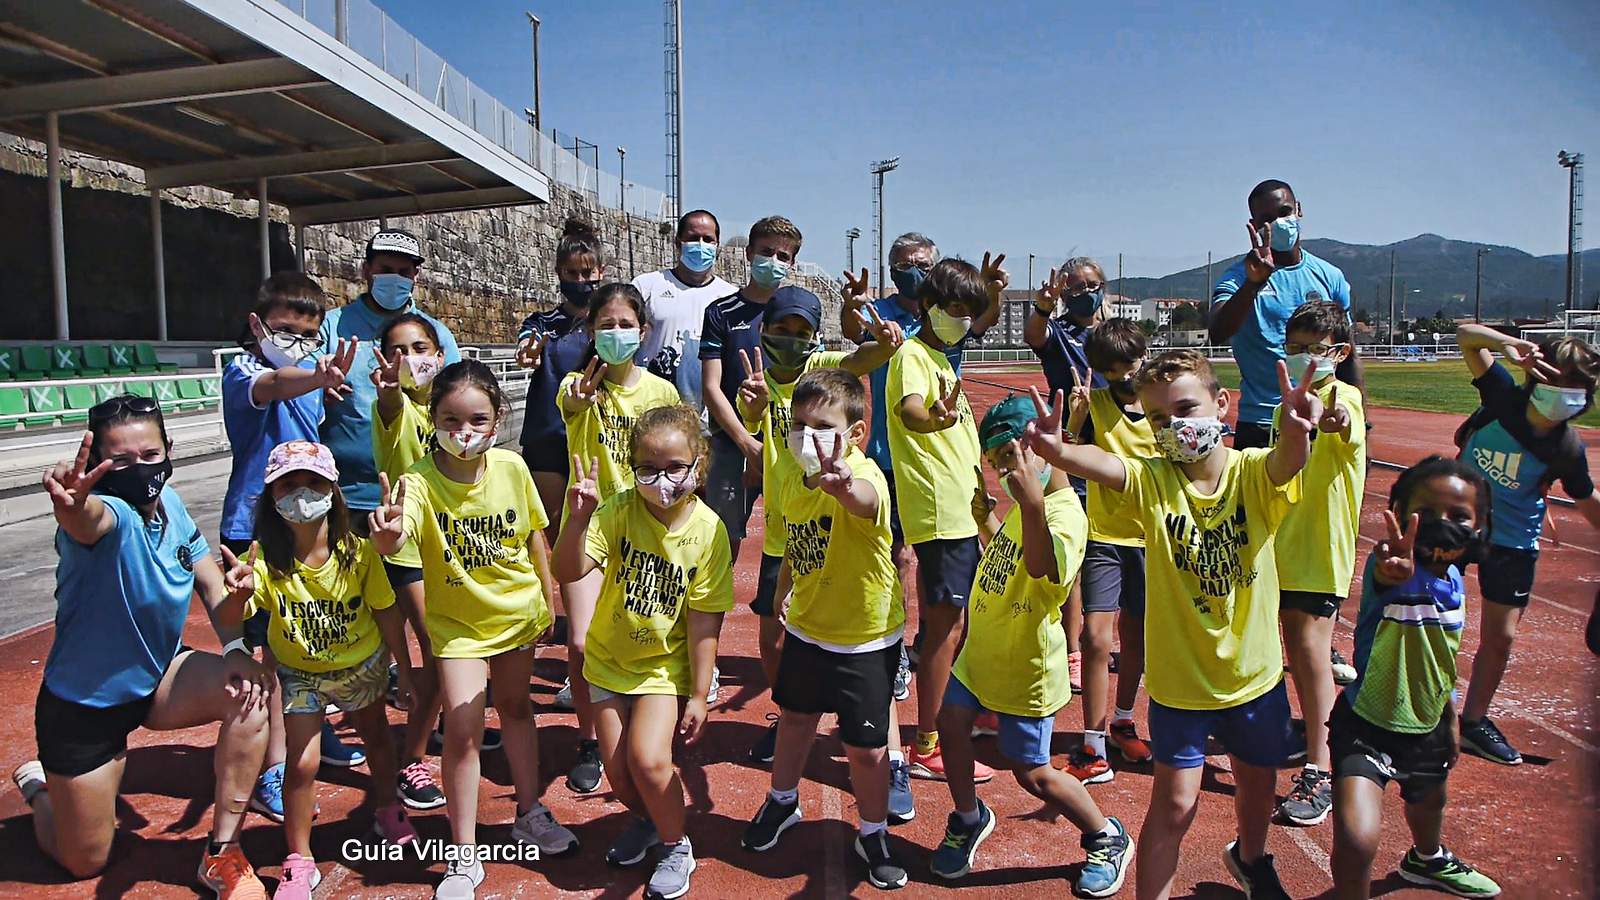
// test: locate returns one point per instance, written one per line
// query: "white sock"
(1434, 855)
(1122, 715)
(868, 829)
(784, 797)
(1111, 829)
(969, 818)
(897, 756)
(1094, 742)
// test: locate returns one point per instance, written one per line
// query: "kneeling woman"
(131, 558)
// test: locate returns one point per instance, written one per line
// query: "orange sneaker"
(1089, 768)
(931, 766)
(1075, 671)
(986, 725)
(1126, 737)
(230, 875)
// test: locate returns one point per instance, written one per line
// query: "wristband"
(236, 644)
(1047, 313)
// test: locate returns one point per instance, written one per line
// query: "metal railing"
(365, 28)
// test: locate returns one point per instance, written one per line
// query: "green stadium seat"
(97, 357)
(105, 390)
(212, 388)
(192, 394)
(10, 362)
(123, 357)
(46, 401)
(146, 354)
(66, 361)
(166, 393)
(35, 363)
(139, 388)
(79, 398)
(13, 402)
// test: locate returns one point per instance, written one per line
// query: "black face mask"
(137, 484)
(1125, 389)
(578, 292)
(1441, 540)
(785, 352)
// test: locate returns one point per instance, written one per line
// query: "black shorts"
(766, 600)
(1113, 579)
(1249, 434)
(1323, 606)
(858, 687)
(945, 569)
(75, 739)
(1420, 762)
(548, 455)
(1506, 576)
(897, 533)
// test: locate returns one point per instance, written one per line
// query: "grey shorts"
(1113, 579)
(598, 694)
(726, 493)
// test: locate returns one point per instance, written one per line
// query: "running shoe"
(230, 876)
(1075, 671)
(538, 826)
(883, 870)
(711, 697)
(634, 844)
(267, 797)
(563, 698)
(29, 779)
(392, 825)
(491, 740)
(1106, 867)
(1343, 672)
(587, 771)
(766, 746)
(1483, 739)
(987, 724)
(336, 752)
(931, 767)
(902, 676)
(959, 849)
(1259, 879)
(902, 806)
(769, 824)
(1447, 873)
(1089, 768)
(671, 877)
(461, 880)
(1310, 799)
(300, 877)
(418, 788)
(1126, 738)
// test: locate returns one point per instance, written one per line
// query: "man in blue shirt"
(1252, 303)
(390, 270)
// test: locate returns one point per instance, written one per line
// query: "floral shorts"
(357, 687)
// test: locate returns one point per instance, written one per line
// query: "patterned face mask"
(1190, 440)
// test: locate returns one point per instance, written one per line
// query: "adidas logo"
(1499, 466)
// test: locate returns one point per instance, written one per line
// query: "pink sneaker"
(300, 877)
(393, 825)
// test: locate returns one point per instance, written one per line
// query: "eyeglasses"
(307, 344)
(1313, 349)
(110, 409)
(1086, 288)
(908, 266)
(676, 473)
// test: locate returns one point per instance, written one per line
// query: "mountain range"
(1435, 273)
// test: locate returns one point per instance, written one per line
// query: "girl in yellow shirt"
(666, 569)
(600, 404)
(332, 613)
(466, 521)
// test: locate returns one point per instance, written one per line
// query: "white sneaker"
(538, 826)
(716, 685)
(461, 880)
(29, 779)
(563, 698)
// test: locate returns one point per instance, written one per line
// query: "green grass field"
(1441, 386)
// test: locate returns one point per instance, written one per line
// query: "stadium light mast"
(536, 120)
(1477, 299)
(1573, 163)
(850, 236)
(879, 168)
(673, 56)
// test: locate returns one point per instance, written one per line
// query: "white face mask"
(304, 505)
(281, 349)
(466, 443)
(804, 450)
(419, 370)
(1190, 440)
(1297, 363)
(949, 328)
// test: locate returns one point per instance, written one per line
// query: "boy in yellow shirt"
(845, 619)
(933, 441)
(1317, 543)
(1215, 666)
(1014, 662)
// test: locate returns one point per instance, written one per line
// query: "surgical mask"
(804, 449)
(1085, 305)
(616, 345)
(420, 370)
(1441, 540)
(1190, 440)
(908, 280)
(670, 494)
(697, 256)
(1044, 480)
(1285, 233)
(786, 352)
(138, 484)
(283, 350)
(466, 443)
(304, 505)
(768, 271)
(949, 329)
(1558, 404)
(578, 292)
(1299, 362)
(390, 291)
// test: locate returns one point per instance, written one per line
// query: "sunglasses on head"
(110, 409)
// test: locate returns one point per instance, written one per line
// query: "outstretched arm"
(1043, 437)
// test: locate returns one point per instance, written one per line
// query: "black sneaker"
(417, 786)
(491, 739)
(771, 821)
(1297, 743)
(586, 772)
(1483, 739)
(960, 846)
(1259, 879)
(1310, 799)
(767, 745)
(902, 676)
(882, 870)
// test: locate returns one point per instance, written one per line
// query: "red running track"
(1532, 828)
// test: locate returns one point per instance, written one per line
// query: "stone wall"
(486, 269)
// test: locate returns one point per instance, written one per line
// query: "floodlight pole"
(538, 120)
(850, 236)
(1573, 163)
(878, 170)
(1477, 300)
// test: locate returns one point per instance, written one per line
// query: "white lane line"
(332, 884)
(1311, 849)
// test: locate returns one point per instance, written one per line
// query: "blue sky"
(1055, 127)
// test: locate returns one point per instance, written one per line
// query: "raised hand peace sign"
(1527, 356)
(1043, 434)
(983, 502)
(531, 350)
(946, 410)
(1258, 264)
(69, 484)
(1078, 400)
(1050, 292)
(239, 576)
(1335, 418)
(1301, 408)
(857, 290)
(386, 375)
(1395, 561)
(585, 389)
(388, 522)
(334, 367)
(886, 333)
(583, 498)
(836, 475)
(994, 275)
(753, 390)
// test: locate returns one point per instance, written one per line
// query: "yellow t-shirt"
(1115, 432)
(1317, 543)
(1211, 583)
(398, 446)
(604, 431)
(471, 542)
(934, 474)
(846, 591)
(776, 460)
(1015, 657)
(638, 639)
(322, 617)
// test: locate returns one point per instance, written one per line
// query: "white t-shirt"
(672, 348)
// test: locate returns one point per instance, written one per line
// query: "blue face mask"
(1285, 233)
(616, 345)
(908, 281)
(768, 271)
(391, 291)
(1085, 305)
(1558, 404)
(698, 256)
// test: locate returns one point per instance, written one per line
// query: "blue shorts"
(945, 569)
(1113, 579)
(1023, 739)
(1257, 732)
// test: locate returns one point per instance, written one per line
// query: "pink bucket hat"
(298, 456)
